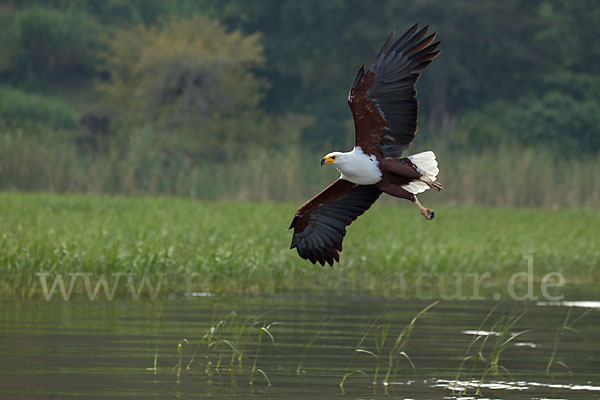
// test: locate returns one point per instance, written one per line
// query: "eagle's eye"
(333, 157)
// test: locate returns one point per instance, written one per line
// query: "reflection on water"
(514, 385)
(136, 349)
(583, 304)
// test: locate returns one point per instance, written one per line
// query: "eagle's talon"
(436, 186)
(428, 213)
(432, 184)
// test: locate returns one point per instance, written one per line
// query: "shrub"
(47, 44)
(183, 71)
(477, 130)
(18, 108)
(557, 121)
(192, 84)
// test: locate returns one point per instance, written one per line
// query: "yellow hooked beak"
(327, 160)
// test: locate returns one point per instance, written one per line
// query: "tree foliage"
(204, 63)
(48, 44)
(491, 51)
(557, 121)
(194, 85)
(183, 71)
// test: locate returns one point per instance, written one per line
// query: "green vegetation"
(229, 335)
(220, 349)
(396, 351)
(235, 99)
(29, 111)
(232, 334)
(501, 331)
(485, 360)
(566, 326)
(299, 370)
(499, 335)
(231, 247)
(51, 44)
(498, 177)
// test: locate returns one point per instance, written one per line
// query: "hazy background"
(240, 99)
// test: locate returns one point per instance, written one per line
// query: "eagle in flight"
(384, 107)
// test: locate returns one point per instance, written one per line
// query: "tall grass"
(468, 356)
(38, 162)
(299, 369)
(524, 177)
(263, 330)
(566, 326)
(508, 176)
(395, 352)
(504, 336)
(398, 348)
(227, 336)
(244, 247)
(492, 343)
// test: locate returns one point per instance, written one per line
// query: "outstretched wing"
(383, 100)
(320, 224)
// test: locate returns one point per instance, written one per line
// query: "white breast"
(358, 167)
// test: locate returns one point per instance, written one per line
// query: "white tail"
(428, 167)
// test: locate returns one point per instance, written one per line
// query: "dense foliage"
(194, 83)
(52, 45)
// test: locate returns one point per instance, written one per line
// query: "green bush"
(52, 45)
(18, 108)
(183, 71)
(477, 130)
(557, 121)
(193, 84)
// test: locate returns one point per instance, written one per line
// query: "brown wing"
(320, 224)
(383, 100)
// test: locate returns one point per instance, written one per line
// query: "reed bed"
(172, 244)
(504, 176)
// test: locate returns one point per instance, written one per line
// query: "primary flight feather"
(384, 108)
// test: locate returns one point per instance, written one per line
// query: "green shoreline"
(243, 248)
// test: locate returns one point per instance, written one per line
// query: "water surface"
(108, 350)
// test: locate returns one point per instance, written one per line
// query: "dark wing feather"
(383, 99)
(320, 224)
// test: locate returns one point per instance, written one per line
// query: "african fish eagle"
(384, 108)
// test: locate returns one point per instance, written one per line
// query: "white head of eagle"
(355, 166)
